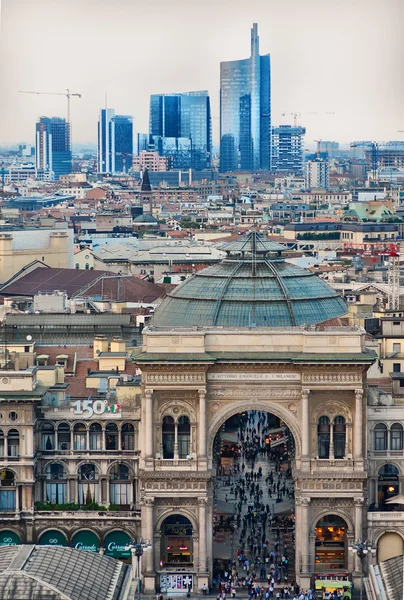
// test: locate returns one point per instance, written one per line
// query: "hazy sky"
(342, 56)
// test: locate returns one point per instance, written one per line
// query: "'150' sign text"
(88, 408)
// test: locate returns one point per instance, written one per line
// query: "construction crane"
(374, 146)
(68, 95)
(297, 115)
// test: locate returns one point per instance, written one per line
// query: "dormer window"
(42, 360)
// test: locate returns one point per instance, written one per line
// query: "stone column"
(148, 530)
(331, 441)
(305, 423)
(202, 534)
(149, 423)
(358, 528)
(304, 525)
(358, 450)
(202, 422)
(176, 440)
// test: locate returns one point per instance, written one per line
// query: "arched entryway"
(176, 549)
(331, 544)
(390, 544)
(253, 519)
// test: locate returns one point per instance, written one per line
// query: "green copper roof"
(248, 290)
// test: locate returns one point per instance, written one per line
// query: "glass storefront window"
(176, 541)
(330, 543)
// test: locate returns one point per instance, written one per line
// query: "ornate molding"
(174, 475)
(158, 486)
(175, 378)
(254, 392)
(327, 377)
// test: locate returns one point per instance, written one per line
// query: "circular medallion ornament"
(292, 407)
(5, 380)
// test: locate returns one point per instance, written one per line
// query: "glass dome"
(252, 286)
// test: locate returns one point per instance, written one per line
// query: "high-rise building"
(52, 146)
(317, 173)
(245, 111)
(287, 149)
(180, 127)
(115, 142)
(123, 131)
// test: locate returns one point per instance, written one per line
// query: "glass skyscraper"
(245, 111)
(180, 126)
(115, 142)
(52, 146)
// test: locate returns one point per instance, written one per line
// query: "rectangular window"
(396, 347)
(396, 323)
(7, 500)
(119, 493)
(95, 440)
(396, 367)
(80, 440)
(380, 440)
(56, 493)
(88, 492)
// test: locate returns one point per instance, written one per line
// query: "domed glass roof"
(253, 285)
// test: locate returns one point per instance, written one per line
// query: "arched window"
(396, 436)
(87, 266)
(176, 541)
(388, 483)
(79, 436)
(323, 433)
(184, 437)
(119, 488)
(1, 442)
(7, 496)
(339, 437)
(63, 436)
(48, 436)
(168, 432)
(111, 436)
(128, 436)
(13, 443)
(95, 436)
(77, 266)
(380, 437)
(56, 483)
(88, 484)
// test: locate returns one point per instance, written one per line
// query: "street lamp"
(137, 547)
(361, 550)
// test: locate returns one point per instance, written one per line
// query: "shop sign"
(179, 530)
(87, 408)
(169, 584)
(115, 543)
(9, 538)
(52, 538)
(86, 540)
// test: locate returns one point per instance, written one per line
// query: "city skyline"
(315, 49)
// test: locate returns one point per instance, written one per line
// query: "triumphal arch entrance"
(195, 380)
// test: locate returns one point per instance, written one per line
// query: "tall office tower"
(287, 149)
(317, 174)
(245, 111)
(106, 141)
(123, 131)
(181, 127)
(52, 146)
(142, 143)
(115, 142)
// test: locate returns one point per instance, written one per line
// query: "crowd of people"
(260, 479)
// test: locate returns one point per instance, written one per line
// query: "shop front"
(330, 551)
(115, 544)
(53, 538)
(9, 538)
(176, 542)
(86, 540)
